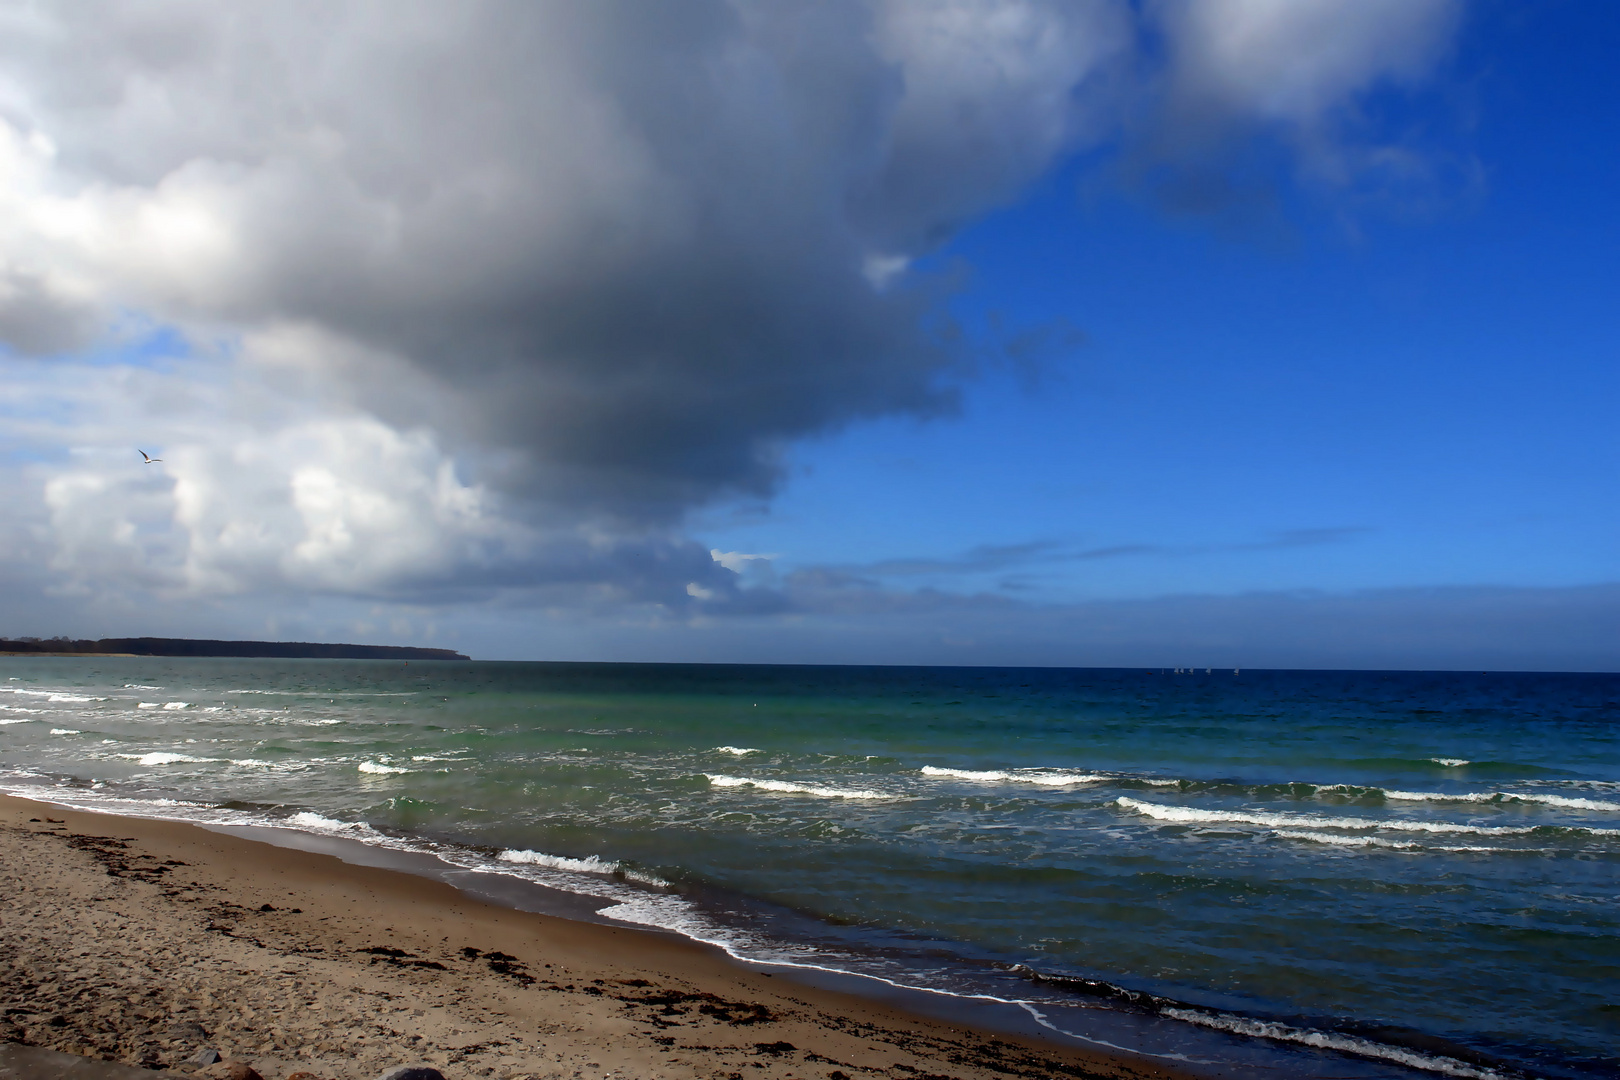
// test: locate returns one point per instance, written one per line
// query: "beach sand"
(144, 941)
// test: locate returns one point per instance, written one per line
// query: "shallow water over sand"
(1406, 869)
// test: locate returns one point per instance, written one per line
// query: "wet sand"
(145, 941)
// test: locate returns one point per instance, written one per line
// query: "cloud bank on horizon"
(434, 304)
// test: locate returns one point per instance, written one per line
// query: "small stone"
(412, 1072)
(240, 1070)
(188, 1029)
(305, 1076)
(202, 1058)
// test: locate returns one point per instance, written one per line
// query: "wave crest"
(797, 789)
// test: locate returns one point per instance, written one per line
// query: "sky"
(1261, 333)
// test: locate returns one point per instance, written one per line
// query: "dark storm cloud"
(632, 243)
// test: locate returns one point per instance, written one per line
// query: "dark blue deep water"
(1335, 873)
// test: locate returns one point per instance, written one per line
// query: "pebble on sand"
(412, 1072)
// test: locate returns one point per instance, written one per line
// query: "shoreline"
(296, 960)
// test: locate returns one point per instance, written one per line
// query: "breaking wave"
(1019, 776)
(797, 789)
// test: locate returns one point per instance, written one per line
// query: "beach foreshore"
(144, 941)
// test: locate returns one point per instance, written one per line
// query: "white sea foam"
(591, 864)
(379, 769)
(1332, 1040)
(434, 757)
(177, 705)
(164, 757)
(678, 914)
(797, 789)
(65, 731)
(1502, 797)
(1193, 815)
(739, 751)
(308, 819)
(1347, 841)
(73, 698)
(1021, 776)
(140, 686)
(148, 705)
(1451, 762)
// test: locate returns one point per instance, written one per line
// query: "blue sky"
(1395, 388)
(1185, 332)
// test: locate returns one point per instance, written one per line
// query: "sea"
(1361, 874)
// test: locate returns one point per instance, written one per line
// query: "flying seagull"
(150, 460)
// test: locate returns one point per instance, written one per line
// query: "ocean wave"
(141, 686)
(1501, 797)
(1347, 841)
(165, 757)
(19, 720)
(65, 731)
(1366, 791)
(1331, 1040)
(49, 695)
(149, 705)
(1020, 776)
(1451, 762)
(1193, 815)
(377, 768)
(590, 864)
(797, 789)
(737, 751)
(308, 819)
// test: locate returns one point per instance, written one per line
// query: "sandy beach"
(144, 942)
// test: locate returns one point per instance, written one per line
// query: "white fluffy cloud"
(489, 295)
(249, 495)
(1295, 61)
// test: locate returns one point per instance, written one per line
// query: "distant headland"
(159, 646)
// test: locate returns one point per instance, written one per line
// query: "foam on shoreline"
(636, 898)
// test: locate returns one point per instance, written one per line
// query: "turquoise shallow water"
(1403, 871)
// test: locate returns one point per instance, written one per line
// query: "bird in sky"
(148, 458)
